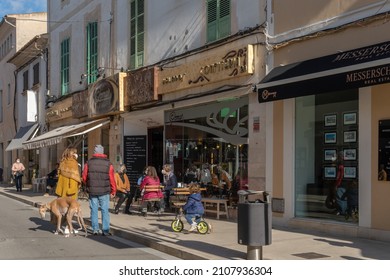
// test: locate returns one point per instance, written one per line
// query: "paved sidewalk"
(287, 244)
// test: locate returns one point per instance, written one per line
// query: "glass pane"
(326, 159)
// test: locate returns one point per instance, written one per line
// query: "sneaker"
(106, 233)
(75, 231)
(66, 231)
(194, 226)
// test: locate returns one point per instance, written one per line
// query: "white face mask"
(76, 156)
(18, 161)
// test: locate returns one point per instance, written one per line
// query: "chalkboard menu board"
(134, 156)
(384, 151)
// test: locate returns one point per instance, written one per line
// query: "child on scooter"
(193, 208)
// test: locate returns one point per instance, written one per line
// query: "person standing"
(17, 171)
(170, 182)
(69, 179)
(99, 178)
(123, 187)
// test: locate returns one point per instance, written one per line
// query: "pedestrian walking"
(17, 173)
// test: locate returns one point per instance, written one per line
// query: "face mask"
(76, 156)
(163, 172)
(18, 161)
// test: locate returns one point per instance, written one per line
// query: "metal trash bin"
(254, 223)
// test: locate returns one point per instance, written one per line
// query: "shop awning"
(56, 135)
(24, 133)
(344, 70)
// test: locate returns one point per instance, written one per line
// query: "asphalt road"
(24, 236)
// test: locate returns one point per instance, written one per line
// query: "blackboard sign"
(384, 151)
(134, 157)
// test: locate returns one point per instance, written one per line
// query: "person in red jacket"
(151, 178)
(99, 178)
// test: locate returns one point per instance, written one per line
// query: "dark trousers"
(18, 183)
(129, 201)
(167, 196)
(122, 197)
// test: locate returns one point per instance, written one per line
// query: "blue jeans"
(102, 201)
(189, 218)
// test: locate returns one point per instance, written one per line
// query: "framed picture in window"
(330, 120)
(349, 136)
(330, 155)
(349, 118)
(329, 172)
(349, 172)
(349, 154)
(330, 137)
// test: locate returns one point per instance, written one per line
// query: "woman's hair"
(68, 153)
(122, 167)
(152, 172)
(194, 188)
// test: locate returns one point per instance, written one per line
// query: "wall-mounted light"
(50, 100)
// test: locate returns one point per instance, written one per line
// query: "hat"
(99, 149)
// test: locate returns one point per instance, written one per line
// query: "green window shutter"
(65, 58)
(218, 19)
(92, 52)
(137, 33)
(211, 20)
(224, 19)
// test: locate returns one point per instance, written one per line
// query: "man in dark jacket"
(98, 176)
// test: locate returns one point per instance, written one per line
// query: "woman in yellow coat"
(69, 178)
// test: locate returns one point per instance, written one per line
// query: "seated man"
(52, 179)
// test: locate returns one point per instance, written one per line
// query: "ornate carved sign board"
(234, 63)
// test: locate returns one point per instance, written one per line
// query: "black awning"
(351, 69)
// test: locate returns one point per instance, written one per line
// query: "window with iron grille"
(92, 52)
(218, 19)
(65, 58)
(136, 33)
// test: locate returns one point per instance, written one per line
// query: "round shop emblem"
(103, 97)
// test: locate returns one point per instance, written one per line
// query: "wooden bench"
(39, 184)
(148, 189)
(152, 188)
(213, 205)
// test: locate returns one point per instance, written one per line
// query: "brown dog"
(64, 207)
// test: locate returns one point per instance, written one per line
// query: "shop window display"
(208, 144)
(326, 156)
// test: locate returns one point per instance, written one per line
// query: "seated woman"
(151, 179)
(52, 179)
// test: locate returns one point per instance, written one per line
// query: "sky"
(21, 7)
